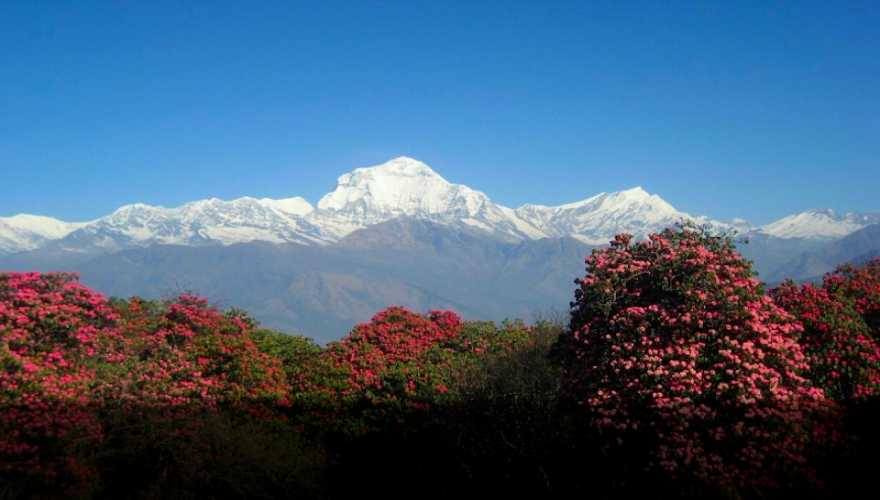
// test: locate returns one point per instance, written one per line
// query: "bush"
(293, 351)
(189, 371)
(494, 427)
(121, 399)
(53, 334)
(379, 373)
(861, 284)
(844, 359)
(509, 432)
(674, 346)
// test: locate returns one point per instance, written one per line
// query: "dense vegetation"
(677, 375)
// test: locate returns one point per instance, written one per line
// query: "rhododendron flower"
(68, 360)
(672, 341)
(861, 284)
(844, 358)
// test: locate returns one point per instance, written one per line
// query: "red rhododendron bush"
(188, 353)
(403, 393)
(78, 374)
(861, 284)
(844, 359)
(398, 363)
(53, 334)
(673, 343)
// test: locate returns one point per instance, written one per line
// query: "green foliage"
(294, 351)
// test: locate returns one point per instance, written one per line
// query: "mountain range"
(392, 233)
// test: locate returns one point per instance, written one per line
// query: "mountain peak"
(828, 212)
(635, 192)
(819, 224)
(134, 207)
(27, 232)
(296, 205)
(403, 165)
(401, 185)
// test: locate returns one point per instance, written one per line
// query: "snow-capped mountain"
(819, 224)
(26, 232)
(203, 222)
(597, 219)
(408, 187)
(364, 197)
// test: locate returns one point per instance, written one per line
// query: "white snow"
(408, 187)
(24, 232)
(295, 205)
(597, 219)
(819, 224)
(402, 187)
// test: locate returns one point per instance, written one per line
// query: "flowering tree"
(184, 353)
(844, 359)
(672, 340)
(191, 396)
(397, 364)
(862, 285)
(53, 334)
(379, 368)
(77, 371)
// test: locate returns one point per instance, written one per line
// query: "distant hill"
(323, 291)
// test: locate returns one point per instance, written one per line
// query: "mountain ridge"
(365, 196)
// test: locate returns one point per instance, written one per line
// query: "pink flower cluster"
(861, 284)
(672, 340)
(191, 354)
(844, 358)
(52, 332)
(383, 365)
(68, 359)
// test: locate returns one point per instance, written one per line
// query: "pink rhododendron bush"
(673, 343)
(844, 359)
(53, 333)
(861, 284)
(188, 353)
(397, 364)
(79, 378)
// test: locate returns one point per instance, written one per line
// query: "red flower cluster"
(398, 363)
(861, 284)
(394, 336)
(53, 331)
(191, 354)
(673, 340)
(381, 365)
(69, 361)
(844, 359)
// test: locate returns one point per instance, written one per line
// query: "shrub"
(844, 359)
(378, 372)
(189, 372)
(184, 353)
(293, 351)
(861, 284)
(509, 432)
(53, 334)
(492, 427)
(398, 365)
(674, 345)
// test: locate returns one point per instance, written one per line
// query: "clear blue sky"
(752, 109)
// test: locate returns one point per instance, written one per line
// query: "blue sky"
(751, 109)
